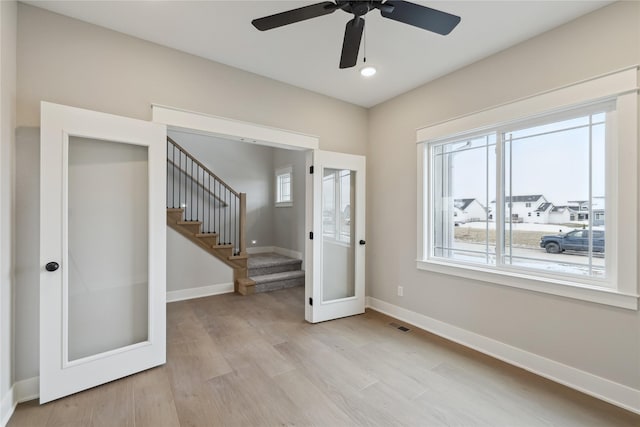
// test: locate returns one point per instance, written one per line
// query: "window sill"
(562, 288)
(284, 204)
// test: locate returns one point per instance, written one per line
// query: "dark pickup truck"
(577, 240)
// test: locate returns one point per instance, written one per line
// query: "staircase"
(271, 271)
(205, 210)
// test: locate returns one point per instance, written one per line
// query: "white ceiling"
(306, 54)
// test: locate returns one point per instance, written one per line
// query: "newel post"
(243, 221)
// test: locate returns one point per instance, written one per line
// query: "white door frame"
(194, 122)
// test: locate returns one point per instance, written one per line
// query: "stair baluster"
(216, 212)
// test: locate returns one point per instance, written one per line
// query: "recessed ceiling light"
(368, 71)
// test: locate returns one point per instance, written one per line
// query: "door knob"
(52, 266)
(362, 242)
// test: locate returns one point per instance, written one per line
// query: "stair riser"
(261, 271)
(281, 284)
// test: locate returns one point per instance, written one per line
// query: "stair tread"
(175, 209)
(274, 277)
(206, 234)
(189, 222)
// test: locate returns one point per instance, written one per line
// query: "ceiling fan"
(402, 11)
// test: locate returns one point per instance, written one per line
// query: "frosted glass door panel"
(338, 246)
(108, 254)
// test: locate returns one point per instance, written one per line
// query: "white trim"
(232, 129)
(199, 292)
(7, 406)
(21, 391)
(585, 382)
(593, 89)
(537, 283)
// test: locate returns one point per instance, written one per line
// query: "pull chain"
(364, 57)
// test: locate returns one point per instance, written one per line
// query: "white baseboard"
(585, 382)
(260, 249)
(202, 291)
(21, 391)
(276, 249)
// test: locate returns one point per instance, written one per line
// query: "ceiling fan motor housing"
(361, 8)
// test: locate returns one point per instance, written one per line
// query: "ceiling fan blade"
(294, 15)
(351, 43)
(421, 16)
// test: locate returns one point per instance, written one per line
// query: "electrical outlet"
(400, 291)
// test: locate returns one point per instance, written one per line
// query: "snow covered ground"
(548, 228)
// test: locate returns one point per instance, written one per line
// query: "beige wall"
(7, 125)
(66, 61)
(599, 339)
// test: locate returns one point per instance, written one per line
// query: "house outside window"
(284, 197)
(565, 160)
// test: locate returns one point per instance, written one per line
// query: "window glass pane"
(464, 189)
(108, 193)
(547, 171)
(283, 187)
(338, 246)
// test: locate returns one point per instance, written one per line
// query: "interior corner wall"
(66, 61)
(597, 339)
(289, 221)
(8, 26)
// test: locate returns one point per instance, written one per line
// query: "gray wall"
(288, 222)
(66, 61)
(8, 10)
(247, 168)
(595, 338)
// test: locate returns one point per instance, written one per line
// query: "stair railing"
(205, 198)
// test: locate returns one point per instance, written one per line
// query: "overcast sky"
(555, 165)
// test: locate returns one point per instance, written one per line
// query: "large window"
(536, 200)
(554, 164)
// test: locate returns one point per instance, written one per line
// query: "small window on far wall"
(283, 187)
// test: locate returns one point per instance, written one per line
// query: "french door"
(102, 248)
(335, 284)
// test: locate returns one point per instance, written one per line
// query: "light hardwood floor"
(254, 361)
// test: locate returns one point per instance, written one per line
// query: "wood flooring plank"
(71, 411)
(311, 401)
(153, 399)
(248, 397)
(113, 404)
(30, 414)
(254, 361)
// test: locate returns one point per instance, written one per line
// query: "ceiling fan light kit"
(402, 11)
(368, 71)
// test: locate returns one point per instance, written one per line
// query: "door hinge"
(311, 169)
(311, 235)
(310, 301)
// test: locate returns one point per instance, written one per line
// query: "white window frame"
(621, 86)
(280, 202)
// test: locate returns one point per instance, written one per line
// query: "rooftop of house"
(462, 204)
(543, 207)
